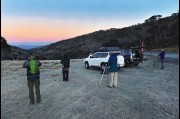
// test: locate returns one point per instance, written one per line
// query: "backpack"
(33, 66)
(66, 63)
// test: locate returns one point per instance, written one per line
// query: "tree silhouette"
(4, 44)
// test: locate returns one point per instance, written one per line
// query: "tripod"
(104, 69)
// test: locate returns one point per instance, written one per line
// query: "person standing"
(33, 77)
(162, 57)
(65, 67)
(113, 69)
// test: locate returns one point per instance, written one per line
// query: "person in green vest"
(33, 77)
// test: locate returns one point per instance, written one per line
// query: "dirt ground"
(143, 92)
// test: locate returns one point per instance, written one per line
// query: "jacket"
(162, 55)
(112, 62)
(65, 63)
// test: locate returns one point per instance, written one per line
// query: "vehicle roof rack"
(107, 49)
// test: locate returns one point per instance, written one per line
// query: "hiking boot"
(38, 100)
(31, 102)
(109, 86)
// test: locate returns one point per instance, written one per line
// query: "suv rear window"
(102, 55)
(136, 53)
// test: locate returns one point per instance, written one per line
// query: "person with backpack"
(65, 67)
(113, 69)
(33, 77)
(162, 57)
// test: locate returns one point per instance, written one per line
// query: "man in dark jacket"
(65, 67)
(33, 77)
(113, 69)
(162, 57)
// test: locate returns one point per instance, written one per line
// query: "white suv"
(100, 59)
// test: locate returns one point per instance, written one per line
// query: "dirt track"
(143, 92)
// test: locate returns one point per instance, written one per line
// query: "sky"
(49, 21)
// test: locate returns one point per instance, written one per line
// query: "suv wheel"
(125, 64)
(86, 65)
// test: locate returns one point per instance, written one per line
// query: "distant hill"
(156, 32)
(9, 52)
(27, 47)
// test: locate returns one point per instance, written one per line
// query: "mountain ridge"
(28, 47)
(156, 32)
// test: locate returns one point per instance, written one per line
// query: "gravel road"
(143, 92)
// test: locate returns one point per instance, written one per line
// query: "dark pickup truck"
(131, 56)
